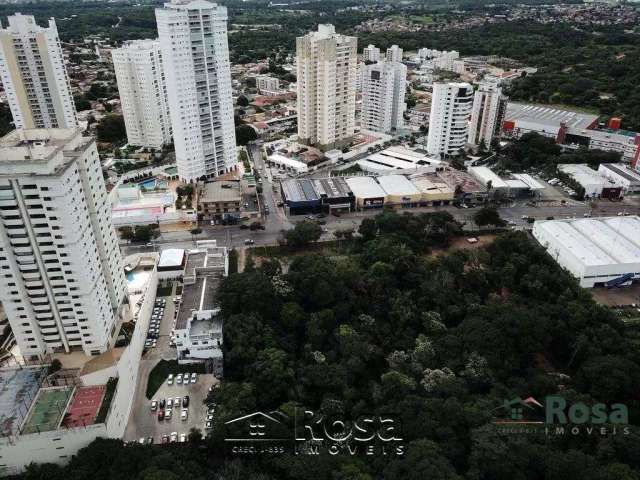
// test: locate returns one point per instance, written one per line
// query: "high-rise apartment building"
(143, 93)
(62, 280)
(34, 76)
(394, 54)
(449, 119)
(383, 89)
(371, 54)
(487, 114)
(195, 55)
(326, 71)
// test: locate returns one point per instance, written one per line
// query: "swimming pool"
(152, 183)
(137, 279)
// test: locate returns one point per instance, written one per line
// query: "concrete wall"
(129, 364)
(48, 447)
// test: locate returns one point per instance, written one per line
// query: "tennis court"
(84, 406)
(47, 410)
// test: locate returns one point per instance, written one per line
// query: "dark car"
(244, 227)
(160, 415)
(185, 401)
(165, 438)
(162, 403)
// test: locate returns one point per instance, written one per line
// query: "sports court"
(84, 406)
(47, 410)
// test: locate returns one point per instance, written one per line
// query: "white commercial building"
(326, 78)
(621, 175)
(487, 114)
(195, 54)
(488, 178)
(267, 85)
(143, 93)
(595, 251)
(589, 179)
(34, 76)
(63, 282)
(287, 163)
(383, 89)
(449, 119)
(367, 192)
(198, 329)
(371, 53)
(398, 158)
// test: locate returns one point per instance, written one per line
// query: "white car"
(184, 415)
(169, 402)
(170, 379)
(194, 377)
(179, 379)
(167, 414)
(154, 405)
(174, 437)
(176, 402)
(183, 437)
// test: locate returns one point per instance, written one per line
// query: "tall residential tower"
(487, 114)
(383, 89)
(195, 54)
(326, 68)
(449, 120)
(62, 282)
(143, 93)
(34, 76)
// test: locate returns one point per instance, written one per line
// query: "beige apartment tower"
(326, 71)
(34, 76)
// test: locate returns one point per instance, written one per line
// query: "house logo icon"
(257, 426)
(519, 411)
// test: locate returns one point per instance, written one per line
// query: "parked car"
(160, 415)
(194, 377)
(162, 403)
(149, 440)
(179, 379)
(184, 414)
(169, 402)
(167, 414)
(249, 241)
(165, 438)
(176, 402)
(208, 425)
(154, 405)
(170, 379)
(183, 437)
(185, 401)
(174, 437)
(141, 441)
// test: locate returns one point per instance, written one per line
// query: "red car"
(160, 415)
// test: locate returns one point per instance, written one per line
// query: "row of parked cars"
(182, 379)
(154, 324)
(165, 407)
(172, 438)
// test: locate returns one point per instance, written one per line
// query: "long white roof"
(485, 175)
(616, 245)
(598, 241)
(365, 187)
(576, 243)
(398, 185)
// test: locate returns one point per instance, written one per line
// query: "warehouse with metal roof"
(598, 252)
(367, 192)
(400, 191)
(300, 196)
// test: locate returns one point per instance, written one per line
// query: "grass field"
(47, 411)
(162, 370)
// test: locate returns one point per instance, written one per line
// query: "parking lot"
(146, 422)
